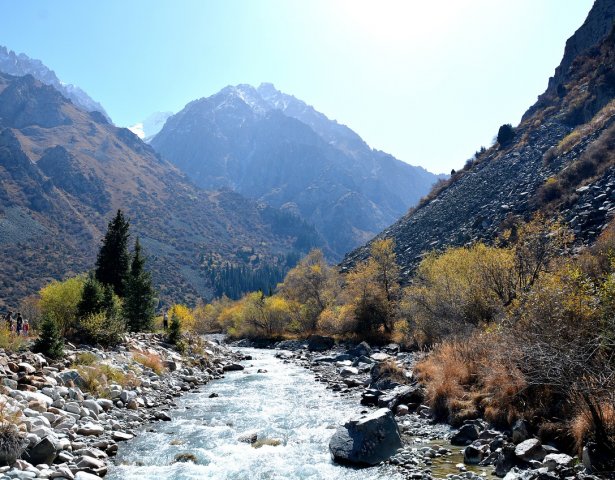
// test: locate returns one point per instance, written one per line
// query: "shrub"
(59, 301)
(86, 358)
(551, 190)
(175, 330)
(9, 341)
(150, 360)
(506, 133)
(100, 328)
(12, 443)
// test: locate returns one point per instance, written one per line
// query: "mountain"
(149, 127)
(20, 65)
(561, 161)
(275, 148)
(63, 174)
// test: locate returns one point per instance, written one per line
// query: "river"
(284, 404)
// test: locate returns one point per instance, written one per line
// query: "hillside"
(64, 172)
(275, 148)
(560, 161)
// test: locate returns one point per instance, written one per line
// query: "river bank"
(73, 413)
(383, 377)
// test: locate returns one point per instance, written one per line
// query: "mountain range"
(64, 171)
(561, 162)
(20, 65)
(273, 147)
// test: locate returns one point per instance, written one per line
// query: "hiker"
(26, 327)
(9, 321)
(19, 323)
(165, 321)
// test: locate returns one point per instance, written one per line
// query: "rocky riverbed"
(73, 413)
(382, 378)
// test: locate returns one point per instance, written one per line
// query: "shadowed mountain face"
(65, 171)
(273, 147)
(561, 161)
(21, 65)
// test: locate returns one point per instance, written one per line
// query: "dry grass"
(390, 369)
(465, 379)
(583, 427)
(150, 360)
(98, 377)
(599, 121)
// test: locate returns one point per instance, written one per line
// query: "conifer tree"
(92, 298)
(49, 342)
(139, 301)
(174, 335)
(113, 262)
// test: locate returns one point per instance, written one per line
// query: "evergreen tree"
(139, 301)
(49, 342)
(92, 298)
(174, 335)
(113, 262)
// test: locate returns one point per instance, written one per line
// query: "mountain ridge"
(275, 148)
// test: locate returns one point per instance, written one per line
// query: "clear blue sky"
(428, 81)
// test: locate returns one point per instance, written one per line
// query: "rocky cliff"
(560, 161)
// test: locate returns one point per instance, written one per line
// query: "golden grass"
(150, 360)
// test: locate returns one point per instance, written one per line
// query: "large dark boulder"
(318, 343)
(466, 435)
(366, 440)
(44, 451)
(361, 350)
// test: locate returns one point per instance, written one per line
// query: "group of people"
(17, 325)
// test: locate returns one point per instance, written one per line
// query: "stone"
(362, 349)
(348, 371)
(465, 435)
(318, 343)
(554, 461)
(529, 450)
(90, 429)
(44, 451)
(366, 440)
(232, 367)
(92, 406)
(402, 410)
(86, 476)
(26, 367)
(473, 455)
(520, 431)
(248, 437)
(71, 377)
(164, 416)
(121, 436)
(127, 395)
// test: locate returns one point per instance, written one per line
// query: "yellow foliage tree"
(59, 301)
(185, 316)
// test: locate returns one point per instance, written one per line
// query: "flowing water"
(285, 404)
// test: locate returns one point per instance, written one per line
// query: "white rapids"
(284, 404)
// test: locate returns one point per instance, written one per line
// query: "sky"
(427, 81)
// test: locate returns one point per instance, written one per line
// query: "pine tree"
(113, 262)
(174, 335)
(49, 342)
(139, 301)
(92, 298)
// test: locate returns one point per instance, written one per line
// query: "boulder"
(529, 450)
(367, 439)
(348, 371)
(90, 429)
(473, 455)
(555, 461)
(71, 377)
(44, 451)
(362, 349)
(465, 435)
(232, 367)
(520, 431)
(318, 343)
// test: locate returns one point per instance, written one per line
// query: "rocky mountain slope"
(273, 147)
(20, 65)
(560, 161)
(64, 172)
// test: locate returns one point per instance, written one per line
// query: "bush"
(506, 133)
(49, 342)
(101, 329)
(175, 330)
(59, 301)
(150, 360)
(12, 443)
